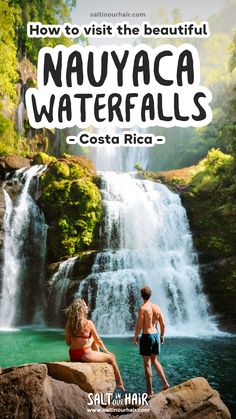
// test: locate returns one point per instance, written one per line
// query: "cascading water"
(21, 111)
(24, 254)
(20, 117)
(58, 286)
(147, 241)
(122, 159)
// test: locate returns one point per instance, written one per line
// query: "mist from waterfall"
(24, 251)
(123, 160)
(147, 242)
(118, 158)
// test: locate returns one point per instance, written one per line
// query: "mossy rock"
(72, 205)
(81, 162)
(42, 158)
(60, 170)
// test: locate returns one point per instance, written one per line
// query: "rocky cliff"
(70, 199)
(71, 202)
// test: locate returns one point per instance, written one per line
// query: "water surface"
(182, 358)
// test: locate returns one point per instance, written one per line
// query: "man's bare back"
(151, 315)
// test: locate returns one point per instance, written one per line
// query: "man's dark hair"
(146, 292)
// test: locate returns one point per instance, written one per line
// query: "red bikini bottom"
(76, 354)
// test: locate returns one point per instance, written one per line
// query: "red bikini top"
(85, 337)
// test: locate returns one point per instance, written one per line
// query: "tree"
(8, 62)
(49, 12)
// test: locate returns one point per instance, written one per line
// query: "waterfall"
(58, 286)
(147, 242)
(122, 159)
(20, 117)
(20, 110)
(24, 253)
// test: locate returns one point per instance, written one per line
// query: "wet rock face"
(13, 188)
(213, 230)
(69, 280)
(12, 163)
(27, 71)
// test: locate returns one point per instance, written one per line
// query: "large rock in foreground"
(70, 402)
(90, 377)
(28, 393)
(23, 394)
(193, 399)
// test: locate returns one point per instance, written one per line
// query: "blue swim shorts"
(150, 344)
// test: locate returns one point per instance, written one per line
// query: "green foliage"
(216, 161)
(77, 171)
(217, 243)
(138, 166)
(8, 62)
(213, 172)
(186, 146)
(14, 44)
(42, 158)
(43, 11)
(71, 202)
(8, 76)
(60, 170)
(10, 143)
(232, 62)
(211, 208)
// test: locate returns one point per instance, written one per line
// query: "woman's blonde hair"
(75, 317)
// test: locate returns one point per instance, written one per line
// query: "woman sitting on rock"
(84, 341)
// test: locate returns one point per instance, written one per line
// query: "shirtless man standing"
(149, 315)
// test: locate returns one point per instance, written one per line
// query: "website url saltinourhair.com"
(117, 410)
(117, 14)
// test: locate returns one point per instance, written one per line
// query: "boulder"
(193, 399)
(11, 163)
(22, 394)
(69, 401)
(28, 393)
(42, 158)
(90, 377)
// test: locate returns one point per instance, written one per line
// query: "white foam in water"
(9, 329)
(147, 241)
